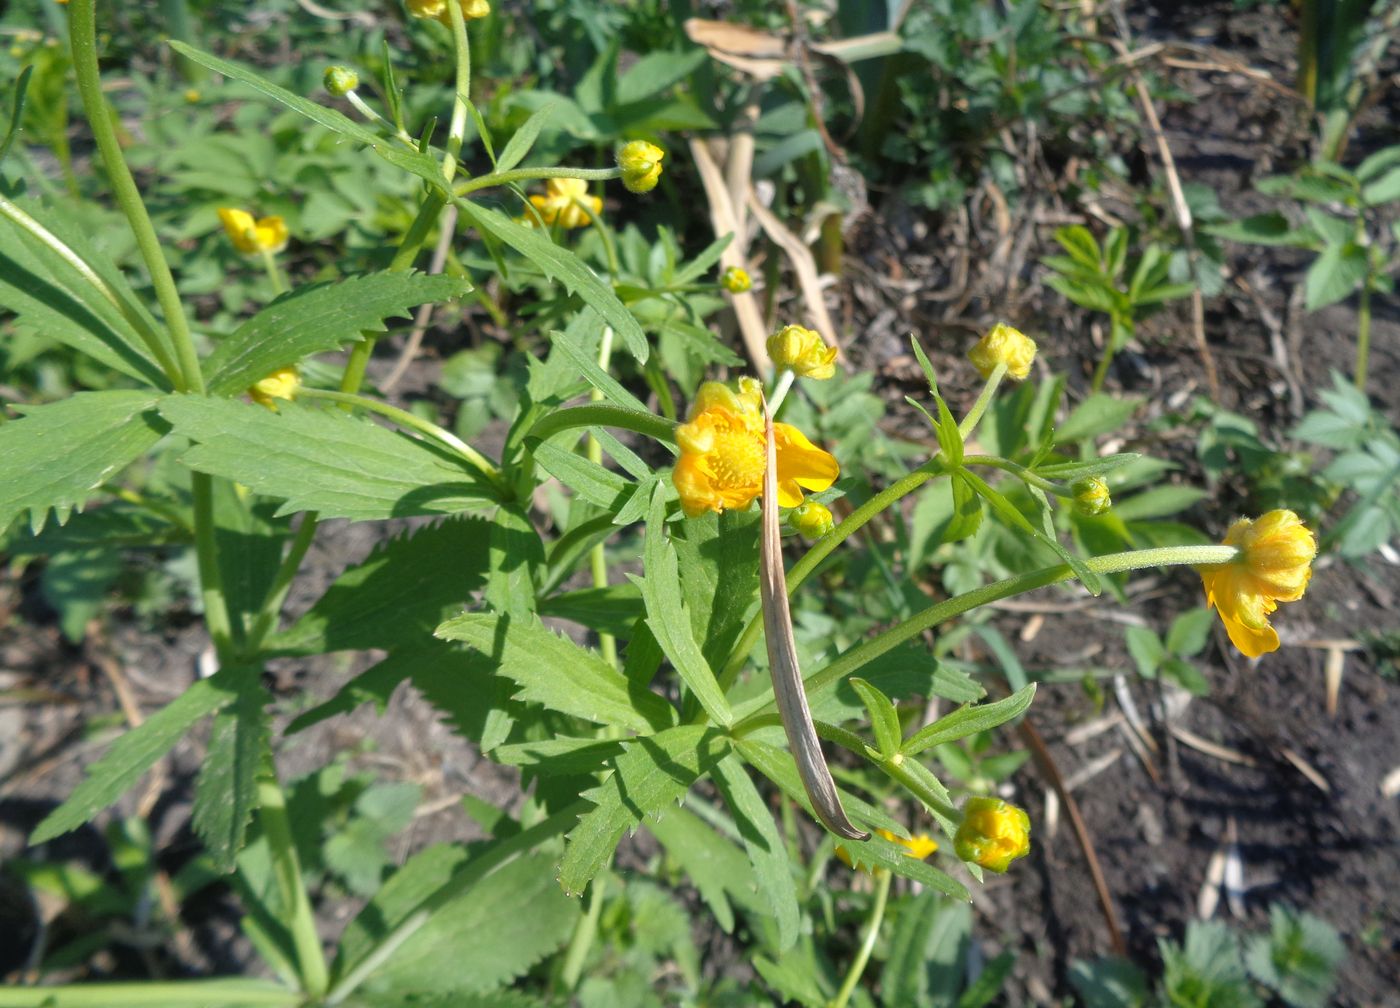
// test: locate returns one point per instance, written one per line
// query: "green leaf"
(711, 863)
(484, 937)
(516, 558)
(137, 751)
(1299, 957)
(652, 772)
(763, 841)
(967, 510)
(55, 300)
(76, 585)
(613, 609)
(564, 266)
(1109, 983)
(556, 672)
(1263, 229)
(1079, 242)
(1208, 971)
(588, 479)
(718, 555)
(1383, 190)
(1147, 650)
(668, 619)
(970, 720)
(928, 950)
(523, 139)
(415, 162)
(655, 72)
(588, 368)
(398, 595)
(1099, 414)
(58, 454)
(1334, 275)
(1158, 502)
(884, 718)
(226, 792)
(950, 439)
(323, 460)
(1190, 632)
(316, 319)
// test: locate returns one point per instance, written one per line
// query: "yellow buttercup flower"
(802, 351)
(471, 9)
(993, 833)
(813, 520)
(563, 203)
(920, 846)
(1003, 345)
(252, 237)
(735, 280)
(723, 455)
(641, 165)
(1274, 565)
(281, 384)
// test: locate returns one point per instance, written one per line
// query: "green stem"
(941, 612)
(1363, 335)
(604, 235)
(1101, 371)
(867, 945)
(272, 810)
(404, 418)
(371, 115)
(780, 391)
(823, 548)
(83, 30)
(583, 936)
(148, 335)
(534, 174)
(598, 558)
(266, 620)
(604, 415)
(1020, 472)
(984, 398)
(176, 993)
(211, 582)
(274, 275)
(457, 129)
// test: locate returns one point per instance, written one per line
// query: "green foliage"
(1170, 657)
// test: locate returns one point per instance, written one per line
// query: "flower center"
(737, 459)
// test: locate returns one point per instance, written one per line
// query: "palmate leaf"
(53, 298)
(59, 453)
(564, 266)
(556, 672)
(313, 320)
(134, 753)
(400, 593)
(652, 772)
(322, 460)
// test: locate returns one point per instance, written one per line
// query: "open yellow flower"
(253, 237)
(1273, 566)
(471, 9)
(722, 453)
(993, 833)
(563, 203)
(1003, 345)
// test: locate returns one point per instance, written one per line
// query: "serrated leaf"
(556, 672)
(711, 863)
(316, 319)
(503, 942)
(516, 557)
(564, 266)
(416, 162)
(136, 751)
(652, 772)
(398, 595)
(588, 479)
(613, 609)
(52, 297)
(588, 368)
(57, 454)
(323, 460)
(668, 619)
(226, 791)
(718, 556)
(969, 720)
(767, 850)
(114, 525)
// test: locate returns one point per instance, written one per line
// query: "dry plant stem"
(1180, 207)
(1047, 766)
(867, 945)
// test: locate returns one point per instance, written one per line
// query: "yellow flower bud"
(812, 519)
(1274, 565)
(802, 351)
(252, 237)
(1003, 345)
(281, 384)
(735, 280)
(641, 165)
(993, 833)
(340, 80)
(1091, 496)
(471, 9)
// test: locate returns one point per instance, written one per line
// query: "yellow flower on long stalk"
(1274, 565)
(722, 453)
(803, 352)
(993, 833)
(253, 237)
(1003, 345)
(563, 203)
